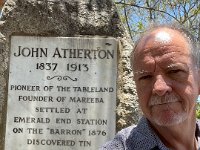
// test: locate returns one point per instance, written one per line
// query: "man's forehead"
(164, 53)
(161, 36)
(166, 57)
(162, 40)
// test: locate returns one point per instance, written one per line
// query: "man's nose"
(161, 86)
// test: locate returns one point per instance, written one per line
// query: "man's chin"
(169, 119)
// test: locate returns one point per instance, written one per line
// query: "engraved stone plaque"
(61, 93)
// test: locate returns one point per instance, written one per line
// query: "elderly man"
(166, 73)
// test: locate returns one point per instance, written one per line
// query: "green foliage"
(198, 110)
(140, 26)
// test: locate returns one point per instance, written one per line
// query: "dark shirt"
(140, 137)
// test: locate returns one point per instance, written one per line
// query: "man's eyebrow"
(141, 72)
(171, 66)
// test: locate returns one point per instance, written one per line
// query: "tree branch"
(148, 8)
(126, 17)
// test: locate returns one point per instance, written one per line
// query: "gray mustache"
(167, 98)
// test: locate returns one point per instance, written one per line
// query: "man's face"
(166, 79)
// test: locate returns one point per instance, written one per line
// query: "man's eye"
(175, 71)
(145, 77)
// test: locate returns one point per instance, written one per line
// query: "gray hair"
(194, 44)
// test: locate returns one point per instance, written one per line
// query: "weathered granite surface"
(68, 18)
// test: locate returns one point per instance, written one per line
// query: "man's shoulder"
(119, 141)
(125, 133)
(140, 137)
(133, 137)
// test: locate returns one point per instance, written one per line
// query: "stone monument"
(61, 92)
(65, 72)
